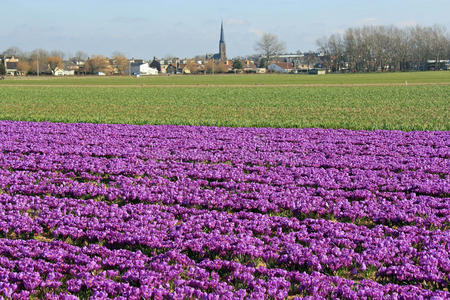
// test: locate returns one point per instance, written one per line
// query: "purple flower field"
(175, 212)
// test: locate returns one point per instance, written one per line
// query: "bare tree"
(447, 54)
(214, 67)
(210, 67)
(13, 51)
(438, 44)
(374, 48)
(310, 59)
(80, 56)
(333, 48)
(269, 46)
(98, 63)
(23, 66)
(54, 62)
(192, 67)
(121, 63)
(38, 57)
(58, 53)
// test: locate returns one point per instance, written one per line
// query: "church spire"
(222, 48)
(222, 38)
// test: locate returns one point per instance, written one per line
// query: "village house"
(171, 66)
(304, 67)
(78, 66)
(280, 67)
(191, 67)
(10, 64)
(142, 69)
(63, 72)
(249, 66)
(171, 69)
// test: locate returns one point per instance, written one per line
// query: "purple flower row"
(380, 207)
(408, 253)
(280, 199)
(39, 269)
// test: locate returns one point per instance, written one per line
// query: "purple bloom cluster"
(127, 211)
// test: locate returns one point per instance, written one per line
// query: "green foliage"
(262, 63)
(369, 107)
(245, 79)
(2, 69)
(237, 64)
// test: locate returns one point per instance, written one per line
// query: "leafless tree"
(80, 56)
(58, 53)
(333, 48)
(98, 63)
(381, 48)
(121, 63)
(269, 46)
(23, 66)
(37, 58)
(438, 43)
(53, 63)
(13, 51)
(214, 67)
(192, 66)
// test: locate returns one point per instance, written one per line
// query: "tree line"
(43, 61)
(358, 49)
(386, 48)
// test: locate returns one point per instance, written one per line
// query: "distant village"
(330, 58)
(102, 66)
(42, 63)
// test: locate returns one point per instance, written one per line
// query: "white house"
(280, 67)
(143, 69)
(62, 72)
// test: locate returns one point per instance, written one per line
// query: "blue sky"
(186, 28)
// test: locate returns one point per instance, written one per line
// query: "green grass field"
(421, 107)
(230, 79)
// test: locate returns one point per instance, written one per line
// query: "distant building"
(136, 60)
(317, 72)
(222, 47)
(280, 67)
(304, 67)
(63, 72)
(222, 55)
(442, 64)
(248, 66)
(171, 69)
(155, 64)
(138, 68)
(10, 64)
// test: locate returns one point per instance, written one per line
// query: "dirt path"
(221, 85)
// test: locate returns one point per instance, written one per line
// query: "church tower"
(222, 49)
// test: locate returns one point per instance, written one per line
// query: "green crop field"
(230, 79)
(420, 107)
